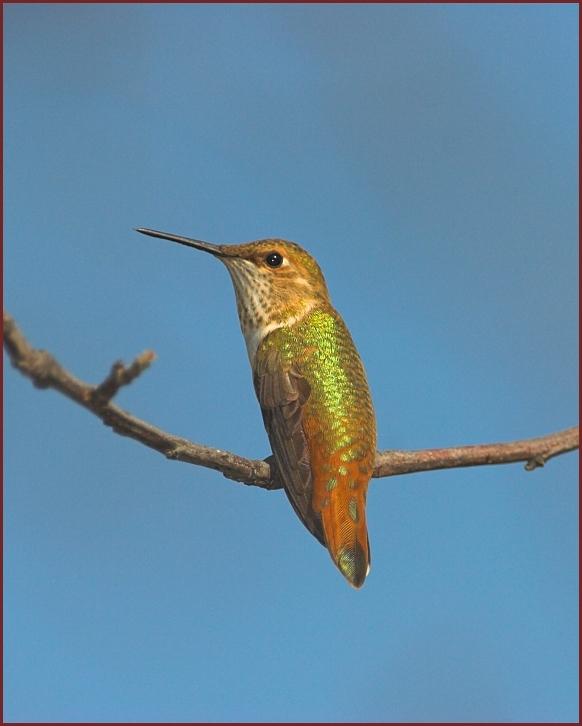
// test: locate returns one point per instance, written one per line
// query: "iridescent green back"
(339, 431)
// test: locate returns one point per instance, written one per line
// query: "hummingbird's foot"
(276, 482)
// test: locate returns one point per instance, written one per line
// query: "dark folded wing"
(282, 393)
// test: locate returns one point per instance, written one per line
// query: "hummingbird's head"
(276, 282)
(274, 279)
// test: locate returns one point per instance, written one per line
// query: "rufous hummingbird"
(312, 390)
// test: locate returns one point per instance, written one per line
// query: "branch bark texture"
(46, 372)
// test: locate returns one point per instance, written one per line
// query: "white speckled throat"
(256, 304)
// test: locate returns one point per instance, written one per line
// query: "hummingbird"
(312, 389)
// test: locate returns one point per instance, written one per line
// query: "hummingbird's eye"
(274, 259)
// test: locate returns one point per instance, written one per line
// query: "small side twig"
(120, 375)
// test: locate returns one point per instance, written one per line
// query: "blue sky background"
(427, 156)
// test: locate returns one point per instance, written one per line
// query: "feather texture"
(318, 413)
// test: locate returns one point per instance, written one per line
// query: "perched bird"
(312, 390)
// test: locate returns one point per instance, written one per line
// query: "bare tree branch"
(46, 372)
(535, 452)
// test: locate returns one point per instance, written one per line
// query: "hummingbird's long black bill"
(196, 243)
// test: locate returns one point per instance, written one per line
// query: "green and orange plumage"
(312, 390)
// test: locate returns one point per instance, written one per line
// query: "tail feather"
(346, 536)
(353, 564)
